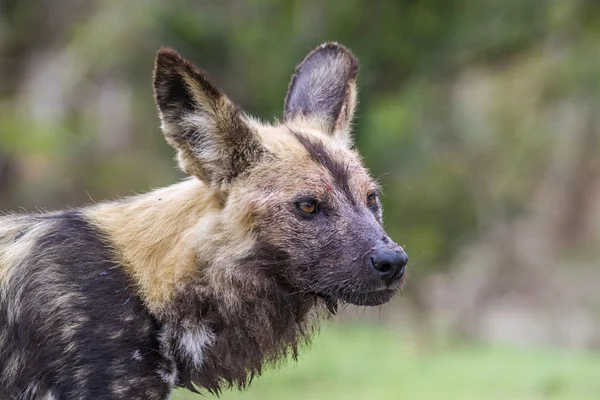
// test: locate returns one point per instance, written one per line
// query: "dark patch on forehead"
(338, 169)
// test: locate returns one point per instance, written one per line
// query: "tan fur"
(156, 235)
(164, 237)
(343, 124)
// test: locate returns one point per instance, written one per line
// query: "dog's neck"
(156, 236)
(219, 344)
(221, 319)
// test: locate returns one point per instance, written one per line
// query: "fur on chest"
(217, 344)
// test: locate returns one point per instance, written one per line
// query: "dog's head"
(296, 187)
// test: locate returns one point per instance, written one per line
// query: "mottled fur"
(203, 283)
(69, 323)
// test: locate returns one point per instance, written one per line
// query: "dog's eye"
(308, 207)
(372, 201)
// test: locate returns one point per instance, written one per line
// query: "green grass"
(358, 362)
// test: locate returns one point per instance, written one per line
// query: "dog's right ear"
(323, 89)
(213, 140)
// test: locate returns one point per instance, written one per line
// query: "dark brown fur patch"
(171, 92)
(318, 153)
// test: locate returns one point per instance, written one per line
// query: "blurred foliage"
(457, 97)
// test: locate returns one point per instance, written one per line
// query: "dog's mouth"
(366, 298)
(375, 298)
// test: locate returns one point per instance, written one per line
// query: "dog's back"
(72, 313)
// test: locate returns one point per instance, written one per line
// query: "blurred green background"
(481, 119)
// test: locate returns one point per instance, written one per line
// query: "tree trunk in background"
(581, 193)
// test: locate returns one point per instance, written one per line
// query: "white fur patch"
(204, 127)
(11, 369)
(33, 392)
(137, 355)
(116, 334)
(192, 341)
(49, 396)
(118, 388)
(168, 377)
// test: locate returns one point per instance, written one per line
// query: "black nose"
(389, 263)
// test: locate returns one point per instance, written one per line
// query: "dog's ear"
(323, 89)
(210, 133)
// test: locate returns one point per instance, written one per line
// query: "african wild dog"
(202, 283)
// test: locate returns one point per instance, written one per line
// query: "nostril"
(384, 267)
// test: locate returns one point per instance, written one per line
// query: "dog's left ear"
(212, 136)
(323, 89)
